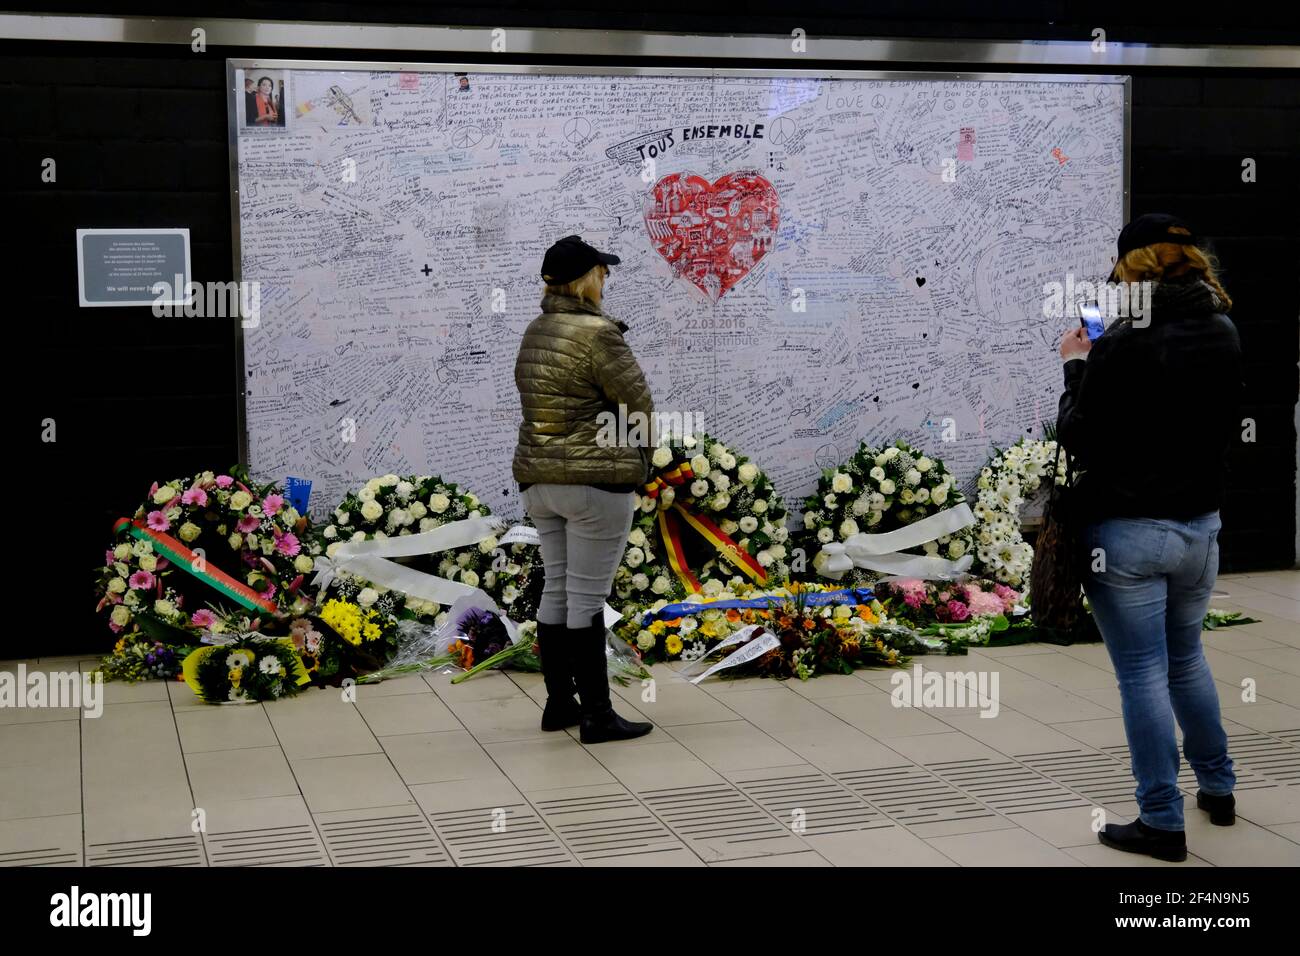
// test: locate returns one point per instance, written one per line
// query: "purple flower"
(484, 632)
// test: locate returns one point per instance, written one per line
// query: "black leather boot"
(553, 647)
(1137, 837)
(599, 722)
(1222, 809)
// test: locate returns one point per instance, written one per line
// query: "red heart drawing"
(713, 234)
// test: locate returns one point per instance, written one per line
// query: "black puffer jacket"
(1151, 413)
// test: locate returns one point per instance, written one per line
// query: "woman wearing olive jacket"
(1150, 410)
(580, 489)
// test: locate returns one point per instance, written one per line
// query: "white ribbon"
(752, 650)
(881, 552)
(739, 637)
(369, 560)
(521, 534)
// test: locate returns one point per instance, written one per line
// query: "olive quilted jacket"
(573, 364)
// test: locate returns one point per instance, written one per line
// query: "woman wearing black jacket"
(1149, 412)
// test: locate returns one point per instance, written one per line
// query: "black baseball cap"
(1148, 229)
(1152, 228)
(570, 258)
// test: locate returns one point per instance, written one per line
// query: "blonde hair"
(587, 287)
(1168, 260)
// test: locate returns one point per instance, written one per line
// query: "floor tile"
(1065, 828)
(350, 783)
(890, 847)
(1289, 830)
(40, 769)
(224, 728)
(1243, 844)
(733, 745)
(1268, 806)
(225, 775)
(1011, 733)
(1095, 854)
(459, 795)
(41, 841)
(1278, 658)
(1006, 847)
(437, 758)
(1064, 670)
(548, 764)
(266, 831)
(663, 764)
(874, 713)
(319, 723)
(806, 858)
(496, 719)
(493, 685)
(410, 713)
(675, 702)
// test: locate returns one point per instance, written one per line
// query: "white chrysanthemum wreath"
(1011, 476)
(393, 506)
(878, 490)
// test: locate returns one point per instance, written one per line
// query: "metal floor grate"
(605, 823)
(1098, 776)
(293, 845)
(1005, 785)
(161, 851)
(719, 822)
(374, 838)
(912, 796)
(499, 836)
(826, 806)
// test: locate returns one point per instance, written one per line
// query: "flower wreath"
(708, 517)
(1002, 487)
(879, 490)
(249, 669)
(184, 524)
(392, 505)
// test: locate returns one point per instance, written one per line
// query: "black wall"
(139, 137)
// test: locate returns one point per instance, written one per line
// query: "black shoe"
(1222, 809)
(599, 722)
(1137, 837)
(553, 648)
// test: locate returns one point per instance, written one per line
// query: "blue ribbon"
(809, 598)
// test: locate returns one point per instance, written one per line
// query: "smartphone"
(1090, 318)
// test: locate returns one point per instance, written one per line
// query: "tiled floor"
(736, 773)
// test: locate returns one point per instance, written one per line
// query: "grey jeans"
(583, 532)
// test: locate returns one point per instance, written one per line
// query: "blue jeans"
(1149, 603)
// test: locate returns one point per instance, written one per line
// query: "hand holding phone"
(1092, 322)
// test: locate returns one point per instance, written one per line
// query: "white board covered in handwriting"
(805, 262)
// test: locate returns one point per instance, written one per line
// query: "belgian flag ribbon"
(670, 530)
(185, 559)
